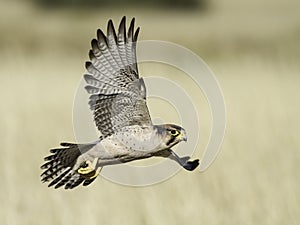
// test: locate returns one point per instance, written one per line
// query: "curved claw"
(89, 169)
(191, 165)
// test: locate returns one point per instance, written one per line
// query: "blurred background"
(252, 46)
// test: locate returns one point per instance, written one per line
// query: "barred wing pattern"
(117, 94)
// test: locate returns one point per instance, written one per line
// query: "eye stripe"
(171, 140)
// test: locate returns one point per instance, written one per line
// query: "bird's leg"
(188, 165)
(89, 170)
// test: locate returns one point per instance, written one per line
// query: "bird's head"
(171, 134)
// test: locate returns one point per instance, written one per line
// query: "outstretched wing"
(117, 94)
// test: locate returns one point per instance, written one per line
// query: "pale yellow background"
(254, 49)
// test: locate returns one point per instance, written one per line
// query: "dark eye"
(174, 132)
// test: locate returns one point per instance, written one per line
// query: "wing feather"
(121, 38)
(112, 43)
(130, 46)
(104, 47)
(118, 95)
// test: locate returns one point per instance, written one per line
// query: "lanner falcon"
(118, 101)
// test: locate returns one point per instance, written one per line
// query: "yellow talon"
(85, 170)
(96, 173)
(89, 170)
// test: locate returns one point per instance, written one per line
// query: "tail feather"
(68, 144)
(58, 166)
(51, 172)
(64, 180)
(88, 181)
(74, 181)
(60, 177)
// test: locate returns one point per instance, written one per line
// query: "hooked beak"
(183, 136)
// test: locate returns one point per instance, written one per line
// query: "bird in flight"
(118, 101)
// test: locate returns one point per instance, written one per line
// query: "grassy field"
(254, 50)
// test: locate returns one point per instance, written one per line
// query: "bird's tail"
(58, 168)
